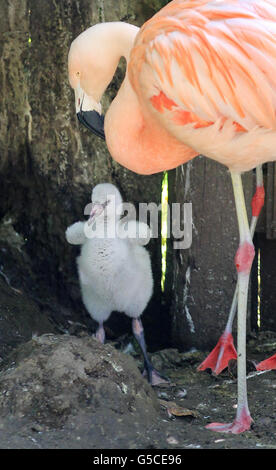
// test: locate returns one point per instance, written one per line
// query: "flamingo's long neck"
(133, 136)
(136, 140)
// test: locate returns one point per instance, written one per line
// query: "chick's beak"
(96, 210)
(88, 113)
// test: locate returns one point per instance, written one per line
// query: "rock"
(264, 421)
(173, 357)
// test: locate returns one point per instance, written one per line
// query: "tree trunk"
(204, 275)
(49, 163)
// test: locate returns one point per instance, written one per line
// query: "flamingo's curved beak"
(89, 112)
(93, 121)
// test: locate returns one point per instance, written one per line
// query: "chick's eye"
(78, 74)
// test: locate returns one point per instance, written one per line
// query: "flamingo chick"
(200, 79)
(114, 268)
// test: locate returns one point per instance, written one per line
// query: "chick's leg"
(154, 377)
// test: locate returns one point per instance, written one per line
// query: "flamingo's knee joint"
(244, 257)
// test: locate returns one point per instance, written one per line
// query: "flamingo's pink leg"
(243, 260)
(100, 334)
(225, 350)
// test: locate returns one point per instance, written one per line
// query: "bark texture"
(48, 162)
(204, 275)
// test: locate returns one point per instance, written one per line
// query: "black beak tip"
(93, 121)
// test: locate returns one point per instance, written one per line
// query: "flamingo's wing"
(200, 61)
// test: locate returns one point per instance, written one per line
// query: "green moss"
(101, 11)
(149, 7)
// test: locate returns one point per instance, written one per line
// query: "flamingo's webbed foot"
(220, 356)
(240, 424)
(267, 364)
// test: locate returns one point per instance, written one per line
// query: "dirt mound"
(53, 377)
(64, 391)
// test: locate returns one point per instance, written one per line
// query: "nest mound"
(53, 377)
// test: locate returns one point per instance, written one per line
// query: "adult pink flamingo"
(200, 80)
